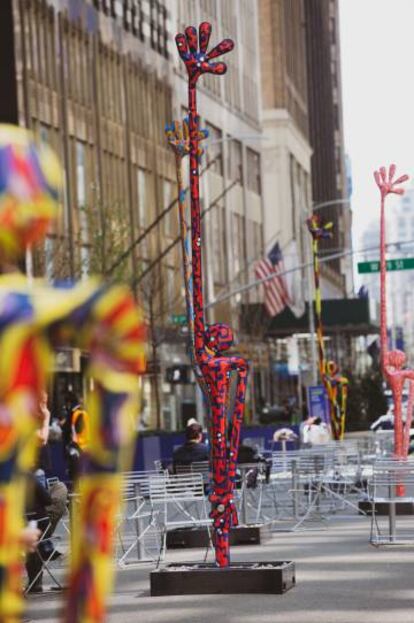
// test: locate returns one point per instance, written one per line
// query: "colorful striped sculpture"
(178, 136)
(335, 384)
(33, 319)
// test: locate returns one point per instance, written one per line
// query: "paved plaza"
(340, 579)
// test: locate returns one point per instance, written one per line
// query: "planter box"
(241, 577)
(184, 538)
(382, 508)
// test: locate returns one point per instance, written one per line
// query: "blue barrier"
(160, 446)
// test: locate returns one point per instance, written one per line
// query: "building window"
(142, 194)
(153, 22)
(257, 241)
(235, 168)
(44, 134)
(170, 218)
(158, 27)
(253, 171)
(49, 259)
(83, 229)
(219, 255)
(238, 237)
(170, 292)
(133, 17)
(215, 149)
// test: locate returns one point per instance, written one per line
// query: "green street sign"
(405, 263)
(179, 319)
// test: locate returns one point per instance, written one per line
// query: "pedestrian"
(75, 433)
(193, 449)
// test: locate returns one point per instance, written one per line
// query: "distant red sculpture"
(393, 362)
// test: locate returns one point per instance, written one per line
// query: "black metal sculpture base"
(241, 577)
(382, 508)
(184, 538)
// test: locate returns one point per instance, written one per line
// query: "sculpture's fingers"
(217, 68)
(191, 34)
(383, 173)
(398, 191)
(204, 33)
(186, 131)
(401, 179)
(202, 134)
(178, 131)
(377, 179)
(223, 47)
(168, 131)
(391, 172)
(182, 47)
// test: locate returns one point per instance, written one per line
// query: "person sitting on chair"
(46, 506)
(193, 450)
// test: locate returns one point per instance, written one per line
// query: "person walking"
(75, 432)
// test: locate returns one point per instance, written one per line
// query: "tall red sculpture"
(210, 342)
(393, 362)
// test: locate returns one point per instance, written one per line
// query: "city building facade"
(329, 172)
(303, 160)
(286, 150)
(99, 80)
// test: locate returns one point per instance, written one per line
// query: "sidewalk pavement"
(340, 579)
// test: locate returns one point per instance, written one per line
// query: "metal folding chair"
(181, 502)
(46, 561)
(138, 529)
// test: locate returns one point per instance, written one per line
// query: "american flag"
(276, 293)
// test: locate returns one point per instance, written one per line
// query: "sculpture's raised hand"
(386, 183)
(178, 137)
(318, 229)
(193, 51)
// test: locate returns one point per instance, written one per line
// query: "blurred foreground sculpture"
(210, 342)
(393, 362)
(33, 319)
(336, 385)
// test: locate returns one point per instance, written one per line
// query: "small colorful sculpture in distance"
(178, 137)
(210, 342)
(393, 362)
(33, 318)
(336, 385)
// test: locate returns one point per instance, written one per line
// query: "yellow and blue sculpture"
(34, 318)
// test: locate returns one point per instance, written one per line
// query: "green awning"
(350, 316)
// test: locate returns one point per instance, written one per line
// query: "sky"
(377, 58)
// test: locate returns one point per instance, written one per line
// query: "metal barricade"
(391, 489)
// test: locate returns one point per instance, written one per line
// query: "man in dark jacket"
(193, 450)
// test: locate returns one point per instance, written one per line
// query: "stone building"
(99, 80)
